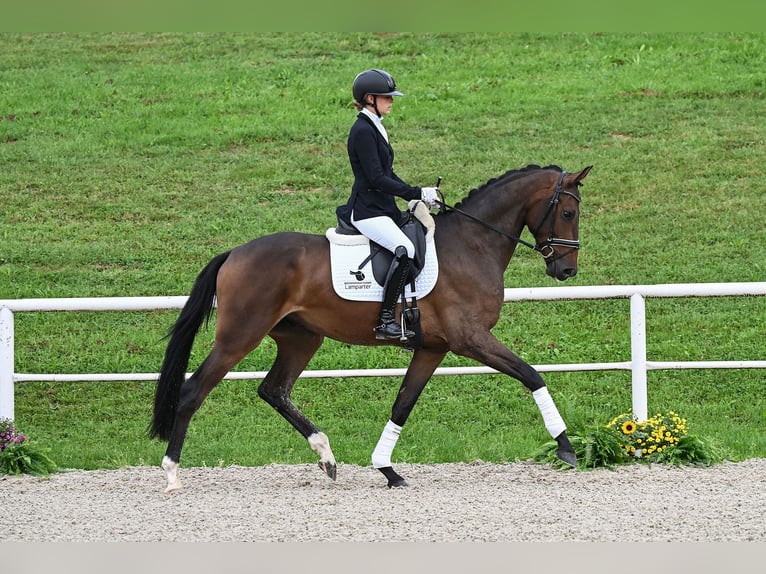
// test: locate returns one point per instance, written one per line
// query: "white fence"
(638, 363)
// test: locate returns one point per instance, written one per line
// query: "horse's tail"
(197, 310)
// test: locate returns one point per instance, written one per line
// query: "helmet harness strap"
(374, 104)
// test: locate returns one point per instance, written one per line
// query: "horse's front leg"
(487, 349)
(422, 366)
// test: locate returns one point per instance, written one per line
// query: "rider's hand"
(430, 196)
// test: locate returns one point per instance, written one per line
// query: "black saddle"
(382, 258)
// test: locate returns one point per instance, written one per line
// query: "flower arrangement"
(662, 438)
(18, 456)
(650, 438)
(9, 435)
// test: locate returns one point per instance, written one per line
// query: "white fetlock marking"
(171, 468)
(551, 417)
(381, 456)
(320, 444)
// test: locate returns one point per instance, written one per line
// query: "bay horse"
(279, 285)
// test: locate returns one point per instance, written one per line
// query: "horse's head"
(554, 219)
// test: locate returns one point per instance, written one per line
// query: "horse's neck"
(502, 207)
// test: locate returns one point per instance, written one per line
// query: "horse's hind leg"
(295, 347)
(193, 393)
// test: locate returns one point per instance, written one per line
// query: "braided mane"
(511, 174)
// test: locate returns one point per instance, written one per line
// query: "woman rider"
(372, 207)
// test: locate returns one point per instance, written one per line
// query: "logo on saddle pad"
(359, 267)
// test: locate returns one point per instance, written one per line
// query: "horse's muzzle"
(560, 270)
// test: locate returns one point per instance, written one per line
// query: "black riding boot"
(388, 327)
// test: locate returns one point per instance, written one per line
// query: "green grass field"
(129, 160)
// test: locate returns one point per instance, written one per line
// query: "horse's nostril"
(568, 272)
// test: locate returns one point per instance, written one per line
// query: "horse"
(279, 286)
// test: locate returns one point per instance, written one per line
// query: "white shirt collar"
(378, 122)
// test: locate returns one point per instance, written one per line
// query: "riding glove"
(429, 196)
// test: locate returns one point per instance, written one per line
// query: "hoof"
(171, 488)
(329, 469)
(565, 452)
(567, 457)
(394, 480)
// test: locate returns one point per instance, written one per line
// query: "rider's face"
(384, 103)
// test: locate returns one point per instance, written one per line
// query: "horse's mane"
(511, 174)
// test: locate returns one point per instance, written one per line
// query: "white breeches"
(383, 231)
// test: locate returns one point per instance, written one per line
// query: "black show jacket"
(376, 186)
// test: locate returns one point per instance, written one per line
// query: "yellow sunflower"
(628, 427)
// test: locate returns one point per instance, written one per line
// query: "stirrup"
(392, 330)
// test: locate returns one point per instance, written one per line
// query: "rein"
(539, 247)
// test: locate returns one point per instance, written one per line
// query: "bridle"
(544, 248)
(552, 240)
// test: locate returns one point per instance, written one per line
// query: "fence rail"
(638, 363)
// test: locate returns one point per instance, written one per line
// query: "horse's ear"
(580, 176)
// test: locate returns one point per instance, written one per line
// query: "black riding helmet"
(375, 82)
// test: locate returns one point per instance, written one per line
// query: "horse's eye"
(568, 214)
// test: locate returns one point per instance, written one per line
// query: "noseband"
(544, 248)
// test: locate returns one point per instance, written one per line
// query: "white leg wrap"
(551, 417)
(381, 456)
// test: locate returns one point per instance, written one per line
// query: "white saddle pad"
(347, 252)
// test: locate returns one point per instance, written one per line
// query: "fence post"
(638, 355)
(6, 363)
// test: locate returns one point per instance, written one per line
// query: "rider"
(372, 208)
